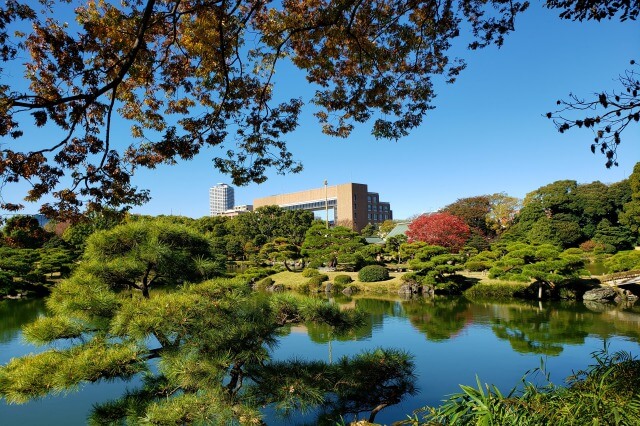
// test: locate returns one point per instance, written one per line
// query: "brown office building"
(349, 204)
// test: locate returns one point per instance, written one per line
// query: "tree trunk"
(375, 411)
(235, 381)
(286, 266)
(539, 291)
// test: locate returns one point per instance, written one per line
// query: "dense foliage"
(605, 393)
(373, 273)
(434, 265)
(566, 214)
(439, 229)
(190, 75)
(202, 349)
(335, 245)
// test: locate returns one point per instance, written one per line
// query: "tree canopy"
(193, 74)
(202, 350)
(439, 229)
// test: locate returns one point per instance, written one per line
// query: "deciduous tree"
(473, 210)
(188, 75)
(439, 229)
(24, 232)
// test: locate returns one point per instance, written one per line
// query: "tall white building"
(220, 199)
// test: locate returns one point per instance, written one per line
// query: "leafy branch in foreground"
(606, 114)
(187, 75)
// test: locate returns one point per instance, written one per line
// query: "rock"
(276, 288)
(348, 291)
(410, 288)
(598, 307)
(602, 294)
(328, 288)
(626, 297)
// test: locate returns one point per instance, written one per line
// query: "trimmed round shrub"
(342, 280)
(318, 280)
(373, 273)
(310, 272)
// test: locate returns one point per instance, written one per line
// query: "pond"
(452, 340)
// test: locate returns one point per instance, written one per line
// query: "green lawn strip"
(292, 280)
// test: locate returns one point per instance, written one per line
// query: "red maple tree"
(439, 229)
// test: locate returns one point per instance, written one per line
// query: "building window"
(375, 216)
(369, 216)
(368, 207)
(355, 197)
(369, 198)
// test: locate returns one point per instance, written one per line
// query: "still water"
(452, 341)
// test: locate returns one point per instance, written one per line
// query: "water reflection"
(16, 313)
(529, 327)
(439, 318)
(543, 331)
(440, 333)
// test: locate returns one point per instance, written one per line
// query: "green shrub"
(35, 277)
(410, 277)
(264, 283)
(315, 264)
(310, 272)
(337, 288)
(342, 280)
(495, 291)
(318, 280)
(606, 393)
(373, 273)
(6, 283)
(477, 266)
(448, 288)
(255, 274)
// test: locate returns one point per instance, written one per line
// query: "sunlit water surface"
(452, 341)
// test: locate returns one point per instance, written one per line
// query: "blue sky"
(486, 135)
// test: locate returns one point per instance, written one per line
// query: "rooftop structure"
(348, 204)
(237, 210)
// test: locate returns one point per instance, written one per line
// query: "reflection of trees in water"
(531, 329)
(323, 333)
(439, 318)
(16, 313)
(376, 310)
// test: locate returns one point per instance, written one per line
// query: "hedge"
(373, 273)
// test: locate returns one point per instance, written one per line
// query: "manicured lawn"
(292, 280)
(485, 286)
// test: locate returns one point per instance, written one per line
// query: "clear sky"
(487, 134)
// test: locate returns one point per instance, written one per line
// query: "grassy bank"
(495, 289)
(293, 280)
